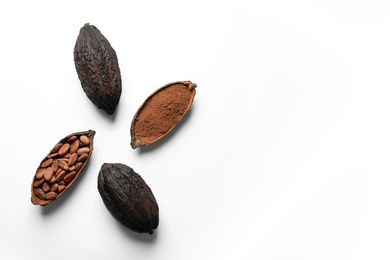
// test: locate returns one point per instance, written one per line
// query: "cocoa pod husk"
(128, 198)
(161, 112)
(52, 174)
(98, 68)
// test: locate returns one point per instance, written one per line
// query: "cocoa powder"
(161, 112)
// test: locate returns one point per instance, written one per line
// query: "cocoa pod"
(98, 68)
(161, 112)
(128, 198)
(48, 176)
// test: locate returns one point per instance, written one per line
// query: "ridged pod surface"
(161, 112)
(128, 198)
(98, 68)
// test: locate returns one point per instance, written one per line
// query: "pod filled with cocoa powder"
(161, 112)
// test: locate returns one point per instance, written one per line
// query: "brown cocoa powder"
(161, 111)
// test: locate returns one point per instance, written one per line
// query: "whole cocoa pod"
(128, 198)
(97, 68)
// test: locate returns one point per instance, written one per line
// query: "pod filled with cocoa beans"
(60, 168)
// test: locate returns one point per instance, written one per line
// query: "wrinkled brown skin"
(128, 198)
(98, 68)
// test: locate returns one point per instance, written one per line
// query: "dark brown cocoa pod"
(128, 198)
(98, 68)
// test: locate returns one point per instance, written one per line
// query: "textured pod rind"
(128, 198)
(153, 122)
(98, 68)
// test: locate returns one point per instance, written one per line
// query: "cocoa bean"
(73, 159)
(64, 149)
(61, 175)
(69, 177)
(61, 188)
(39, 192)
(84, 140)
(39, 174)
(74, 146)
(54, 166)
(72, 139)
(82, 157)
(45, 187)
(48, 174)
(50, 195)
(47, 163)
(54, 187)
(38, 183)
(83, 150)
(57, 147)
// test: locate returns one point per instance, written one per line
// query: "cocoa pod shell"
(161, 112)
(56, 175)
(128, 198)
(98, 68)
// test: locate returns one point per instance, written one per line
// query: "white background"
(284, 154)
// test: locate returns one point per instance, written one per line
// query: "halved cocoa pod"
(161, 112)
(54, 176)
